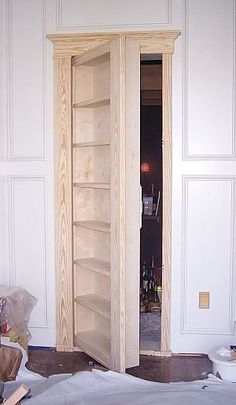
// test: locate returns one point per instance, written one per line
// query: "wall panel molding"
(13, 154)
(187, 155)
(186, 277)
(18, 265)
(166, 20)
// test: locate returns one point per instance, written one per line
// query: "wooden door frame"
(65, 47)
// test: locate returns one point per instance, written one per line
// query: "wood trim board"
(75, 44)
(63, 205)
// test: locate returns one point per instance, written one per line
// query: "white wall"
(204, 172)
(27, 233)
(204, 166)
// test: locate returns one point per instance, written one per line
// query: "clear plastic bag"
(16, 305)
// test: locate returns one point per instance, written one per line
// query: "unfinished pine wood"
(94, 226)
(91, 203)
(84, 320)
(95, 57)
(103, 186)
(88, 282)
(95, 303)
(102, 246)
(118, 204)
(96, 91)
(92, 165)
(76, 44)
(93, 76)
(93, 103)
(82, 244)
(96, 345)
(155, 353)
(103, 326)
(92, 125)
(84, 284)
(99, 142)
(95, 264)
(63, 208)
(167, 182)
(17, 395)
(133, 204)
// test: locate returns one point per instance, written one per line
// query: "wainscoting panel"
(78, 15)
(209, 79)
(26, 79)
(208, 254)
(28, 241)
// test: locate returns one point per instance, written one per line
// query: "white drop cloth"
(109, 388)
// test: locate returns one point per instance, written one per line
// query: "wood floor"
(163, 369)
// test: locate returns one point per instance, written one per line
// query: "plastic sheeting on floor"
(150, 331)
(109, 388)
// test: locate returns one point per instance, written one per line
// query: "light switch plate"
(204, 300)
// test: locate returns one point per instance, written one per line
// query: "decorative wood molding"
(185, 152)
(184, 305)
(167, 20)
(9, 78)
(75, 44)
(12, 181)
(12, 155)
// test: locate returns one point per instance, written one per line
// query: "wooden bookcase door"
(98, 126)
(96, 191)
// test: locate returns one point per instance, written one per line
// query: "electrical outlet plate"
(204, 300)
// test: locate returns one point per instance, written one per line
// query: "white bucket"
(222, 366)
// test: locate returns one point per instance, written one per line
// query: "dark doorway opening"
(151, 182)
